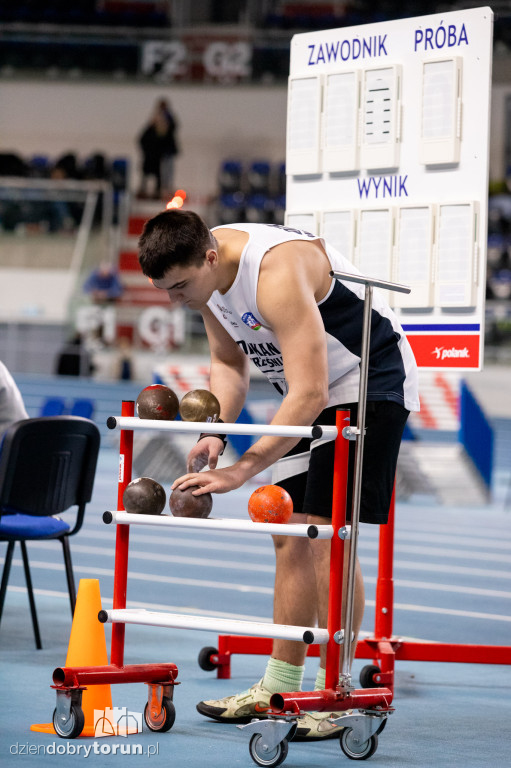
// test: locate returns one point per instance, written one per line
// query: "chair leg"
(30, 591)
(5, 574)
(69, 573)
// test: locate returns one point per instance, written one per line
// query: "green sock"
(320, 683)
(281, 677)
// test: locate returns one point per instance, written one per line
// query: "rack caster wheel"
(165, 720)
(71, 727)
(354, 748)
(367, 674)
(382, 726)
(205, 662)
(270, 758)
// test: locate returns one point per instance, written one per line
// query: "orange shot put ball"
(270, 504)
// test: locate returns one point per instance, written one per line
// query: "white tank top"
(392, 369)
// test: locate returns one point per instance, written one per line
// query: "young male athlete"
(266, 294)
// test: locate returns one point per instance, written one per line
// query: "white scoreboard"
(387, 158)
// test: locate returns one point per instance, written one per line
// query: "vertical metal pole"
(122, 538)
(107, 214)
(357, 481)
(340, 486)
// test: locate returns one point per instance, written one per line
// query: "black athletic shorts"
(306, 472)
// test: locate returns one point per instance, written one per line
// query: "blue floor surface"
(452, 584)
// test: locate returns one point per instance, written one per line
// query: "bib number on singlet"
(279, 382)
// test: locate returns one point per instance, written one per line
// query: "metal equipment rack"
(269, 737)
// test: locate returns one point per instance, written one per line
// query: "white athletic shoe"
(313, 726)
(240, 708)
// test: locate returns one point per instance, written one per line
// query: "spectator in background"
(104, 288)
(74, 359)
(103, 284)
(63, 215)
(159, 148)
(125, 360)
(12, 407)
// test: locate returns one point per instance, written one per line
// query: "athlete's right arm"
(229, 381)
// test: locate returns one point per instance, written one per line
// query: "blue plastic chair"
(53, 406)
(82, 407)
(231, 207)
(230, 176)
(259, 209)
(47, 465)
(258, 177)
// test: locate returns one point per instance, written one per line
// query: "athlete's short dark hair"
(173, 238)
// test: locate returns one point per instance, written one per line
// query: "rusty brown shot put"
(184, 504)
(144, 496)
(157, 402)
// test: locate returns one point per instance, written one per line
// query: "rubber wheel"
(356, 750)
(267, 759)
(205, 662)
(366, 676)
(166, 718)
(382, 726)
(73, 726)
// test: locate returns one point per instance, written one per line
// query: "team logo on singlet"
(252, 322)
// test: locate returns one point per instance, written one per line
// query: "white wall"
(216, 122)
(51, 118)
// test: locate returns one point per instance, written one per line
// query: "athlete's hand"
(212, 481)
(205, 453)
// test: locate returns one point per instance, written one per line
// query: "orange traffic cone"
(87, 648)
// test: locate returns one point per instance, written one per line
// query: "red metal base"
(73, 677)
(384, 653)
(405, 650)
(332, 701)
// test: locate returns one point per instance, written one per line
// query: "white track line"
(459, 528)
(185, 540)
(433, 586)
(96, 572)
(462, 570)
(477, 541)
(222, 563)
(107, 603)
(135, 554)
(138, 537)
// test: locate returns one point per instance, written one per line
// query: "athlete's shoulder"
(241, 226)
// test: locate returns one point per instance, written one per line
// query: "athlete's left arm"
(290, 279)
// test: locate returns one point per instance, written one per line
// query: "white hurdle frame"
(121, 517)
(316, 432)
(232, 626)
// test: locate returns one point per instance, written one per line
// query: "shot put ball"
(270, 504)
(199, 405)
(144, 496)
(184, 504)
(157, 402)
